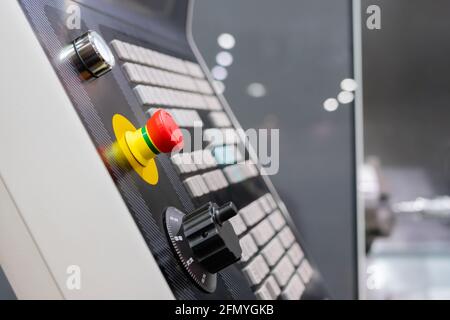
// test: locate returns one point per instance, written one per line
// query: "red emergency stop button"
(164, 132)
(161, 134)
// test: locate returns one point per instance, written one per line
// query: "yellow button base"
(139, 147)
(121, 126)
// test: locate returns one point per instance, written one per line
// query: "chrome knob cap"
(92, 55)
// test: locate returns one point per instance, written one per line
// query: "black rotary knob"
(204, 241)
(211, 237)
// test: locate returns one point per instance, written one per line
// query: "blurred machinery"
(438, 207)
(380, 217)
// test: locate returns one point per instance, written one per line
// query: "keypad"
(144, 56)
(194, 69)
(296, 254)
(219, 119)
(263, 232)
(283, 271)
(183, 91)
(184, 163)
(272, 259)
(252, 214)
(184, 118)
(256, 270)
(238, 225)
(286, 237)
(277, 220)
(215, 180)
(204, 159)
(294, 289)
(203, 86)
(227, 154)
(162, 97)
(265, 237)
(196, 186)
(217, 137)
(269, 290)
(151, 76)
(212, 103)
(305, 271)
(240, 172)
(273, 252)
(249, 247)
(191, 162)
(204, 184)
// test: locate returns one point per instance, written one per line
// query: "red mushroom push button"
(136, 149)
(160, 135)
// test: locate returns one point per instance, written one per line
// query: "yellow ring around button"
(121, 126)
(139, 147)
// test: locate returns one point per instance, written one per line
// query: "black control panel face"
(176, 196)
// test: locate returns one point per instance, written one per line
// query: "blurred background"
(406, 110)
(285, 67)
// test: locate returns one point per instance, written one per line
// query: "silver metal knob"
(92, 55)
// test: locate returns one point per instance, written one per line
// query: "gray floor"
(413, 263)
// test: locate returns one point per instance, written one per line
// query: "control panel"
(213, 223)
